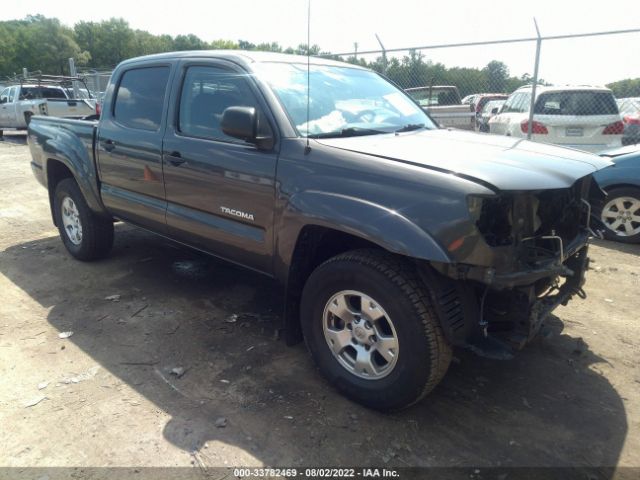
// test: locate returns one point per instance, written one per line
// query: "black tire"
(423, 354)
(97, 231)
(27, 117)
(613, 195)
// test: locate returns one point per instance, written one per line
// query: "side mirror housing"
(3, 100)
(244, 123)
(494, 110)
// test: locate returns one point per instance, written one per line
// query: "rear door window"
(140, 97)
(576, 103)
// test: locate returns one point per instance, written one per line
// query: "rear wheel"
(85, 235)
(621, 214)
(370, 327)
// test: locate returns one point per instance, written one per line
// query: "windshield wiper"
(347, 132)
(410, 127)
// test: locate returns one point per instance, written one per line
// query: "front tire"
(620, 213)
(370, 327)
(86, 235)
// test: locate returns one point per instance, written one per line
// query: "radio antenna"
(307, 149)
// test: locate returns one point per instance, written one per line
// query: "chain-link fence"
(96, 80)
(472, 86)
(546, 88)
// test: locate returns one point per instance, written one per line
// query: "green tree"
(188, 42)
(497, 75)
(629, 87)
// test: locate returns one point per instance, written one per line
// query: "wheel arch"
(58, 168)
(613, 186)
(333, 224)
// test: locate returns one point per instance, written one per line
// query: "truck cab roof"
(242, 57)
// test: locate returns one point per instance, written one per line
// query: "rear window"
(576, 103)
(27, 93)
(140, 97)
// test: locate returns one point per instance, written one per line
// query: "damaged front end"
(525, 254)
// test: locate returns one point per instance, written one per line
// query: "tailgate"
(458, 116)
(580, 131)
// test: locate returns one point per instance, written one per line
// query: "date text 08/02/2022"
(315, 472)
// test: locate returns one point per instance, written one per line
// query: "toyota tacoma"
(394, 240)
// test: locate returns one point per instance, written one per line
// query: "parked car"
(620, 210)
(393, 240)
(443, 104)
(581, 117)
(490, 109)
(18, 103)
(481, 99)
(630, 111)
(468, 100)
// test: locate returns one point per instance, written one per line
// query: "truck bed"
(48, 135)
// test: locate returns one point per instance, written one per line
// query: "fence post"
(535, 81)
(72, 71)
(96, 83)
(384, 55)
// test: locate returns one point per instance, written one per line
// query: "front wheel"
(621, 214)
(86, 235)
(369, 325)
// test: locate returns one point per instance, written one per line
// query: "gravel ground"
(109, 395)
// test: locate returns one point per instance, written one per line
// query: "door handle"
(109, 145)
(175, 159)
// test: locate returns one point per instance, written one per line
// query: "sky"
(336, 25)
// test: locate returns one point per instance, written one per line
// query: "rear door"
(129, 146)
(4, 107)
(220, 190)
(12, 107)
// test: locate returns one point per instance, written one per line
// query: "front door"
(220, 190)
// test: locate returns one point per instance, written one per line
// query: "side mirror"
(3, 100)
(494, 110)
(244, 123)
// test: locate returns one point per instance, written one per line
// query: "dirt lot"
(110, 399)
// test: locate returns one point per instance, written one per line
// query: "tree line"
(45, 44)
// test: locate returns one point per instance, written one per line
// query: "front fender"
(370, 221)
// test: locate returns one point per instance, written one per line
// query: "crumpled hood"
(502, 162)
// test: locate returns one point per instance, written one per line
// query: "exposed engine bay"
(530, 257)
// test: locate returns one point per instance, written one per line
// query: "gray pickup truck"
(443, 104)
(393, 240)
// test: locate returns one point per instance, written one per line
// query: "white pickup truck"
(443, 104)
(18, 103)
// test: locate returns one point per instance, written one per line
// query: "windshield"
(493, 104)
(343, 101)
